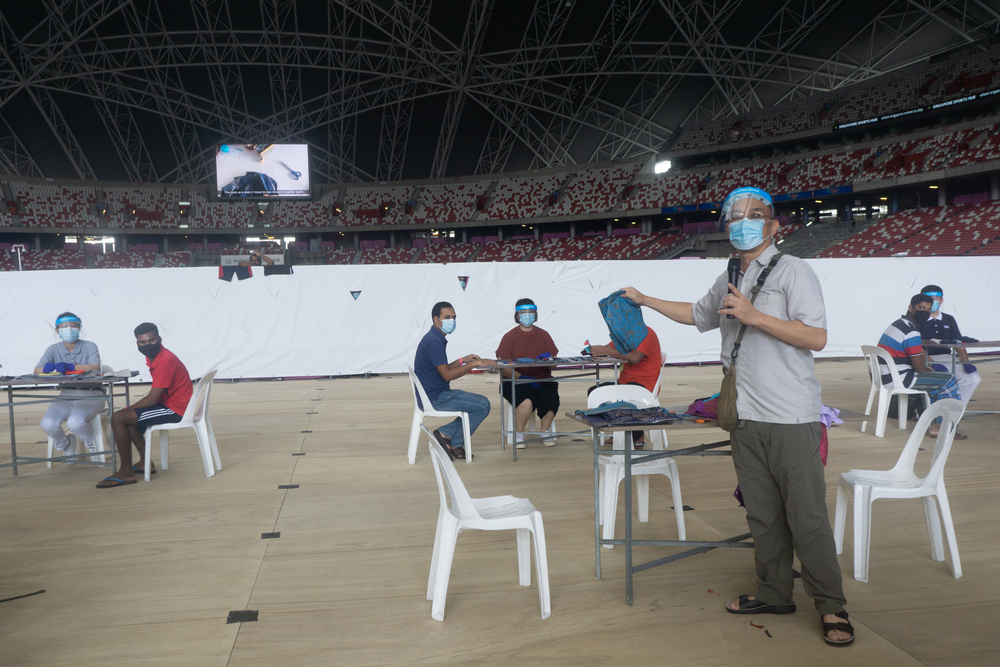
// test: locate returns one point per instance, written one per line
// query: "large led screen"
(262, 170)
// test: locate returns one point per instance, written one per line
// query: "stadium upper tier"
(581, 192)
(879, 97)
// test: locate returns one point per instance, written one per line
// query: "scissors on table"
(295, 175)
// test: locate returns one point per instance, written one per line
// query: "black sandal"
(843, 626)
(452, 452)
(748, 606)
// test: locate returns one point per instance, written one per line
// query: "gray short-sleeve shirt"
(775, 381)
(84, 353)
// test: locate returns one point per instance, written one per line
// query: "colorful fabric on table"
(605, 407)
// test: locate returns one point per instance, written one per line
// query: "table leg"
(13, 441)
(954, 354)
(628, 518)
(513, 408)
(111, 413)
(597, 506)
(503, 424)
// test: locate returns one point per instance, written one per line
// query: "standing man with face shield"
(435, 372)
(942, 326)
(776, 444)
(164, 404)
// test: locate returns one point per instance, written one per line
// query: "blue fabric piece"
(544, 356)
(969, 368)
(525, 360)
(940, 368)
(624, 320)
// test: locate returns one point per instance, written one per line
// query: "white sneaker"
(70, 449)
(519, 441)
(549, 440)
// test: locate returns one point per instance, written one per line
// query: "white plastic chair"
(196, 417)
(98, 424)
(886, 392)
(612, 468)
(429, 411)
(659, 378)
(498, 513)
(509, 419)
(867, 486)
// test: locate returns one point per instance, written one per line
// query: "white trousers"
(967, 382)
(77, 415)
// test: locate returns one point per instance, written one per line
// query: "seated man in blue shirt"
(942, 326)
(435, 373)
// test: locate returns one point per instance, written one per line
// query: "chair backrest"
(663, 360)
(635, 394)
(950, 410)
(198, 405)
(420, 397)
(449, 483)
(872, 355)
(640, 396)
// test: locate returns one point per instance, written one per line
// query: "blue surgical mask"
(526, 319)
(69, 334)
(746, 234)
(936, 306)
(447, 326)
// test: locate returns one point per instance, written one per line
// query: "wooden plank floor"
(148, 573)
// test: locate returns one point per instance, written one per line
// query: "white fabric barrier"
(309, 323)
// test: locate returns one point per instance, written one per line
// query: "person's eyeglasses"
(754, 215)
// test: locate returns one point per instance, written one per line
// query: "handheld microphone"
(733, 269)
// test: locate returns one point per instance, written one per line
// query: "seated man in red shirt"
(642, 367)
(164, 404)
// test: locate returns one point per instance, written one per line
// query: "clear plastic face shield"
(68, 328)
(743, 216)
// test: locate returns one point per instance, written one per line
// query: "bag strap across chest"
(753, 296)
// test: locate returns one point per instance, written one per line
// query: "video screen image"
(262, 170)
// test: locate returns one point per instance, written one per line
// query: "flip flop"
(142, 470)
(121, 482)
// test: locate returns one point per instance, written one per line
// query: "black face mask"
(150, 350)
(920, 316)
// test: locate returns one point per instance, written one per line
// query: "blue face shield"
(746, 227)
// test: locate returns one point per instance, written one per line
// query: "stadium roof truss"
(384, 90)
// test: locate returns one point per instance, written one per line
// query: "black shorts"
(545, 398)
(155, 414)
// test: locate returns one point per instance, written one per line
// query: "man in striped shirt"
(902, 341)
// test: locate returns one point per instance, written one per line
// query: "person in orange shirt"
(642, 367)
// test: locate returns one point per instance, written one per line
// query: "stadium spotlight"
(662, 167)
